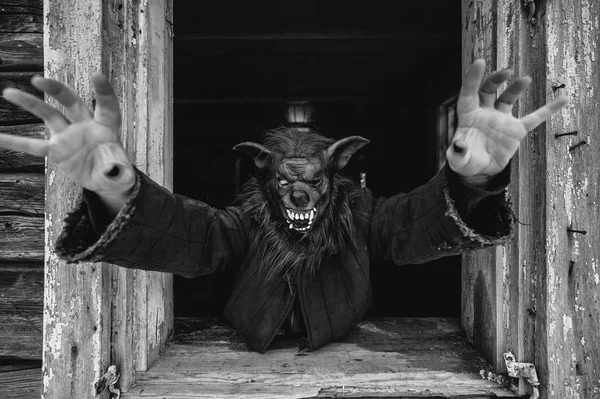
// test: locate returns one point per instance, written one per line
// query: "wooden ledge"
(407, 357)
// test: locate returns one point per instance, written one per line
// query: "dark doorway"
(376, 69)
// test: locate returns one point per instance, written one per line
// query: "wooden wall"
(572, 334)
(21, 187)
(539, 296)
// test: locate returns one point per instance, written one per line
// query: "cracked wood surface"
(380, 358)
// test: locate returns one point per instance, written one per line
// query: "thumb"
(112, 170)
(458, 155)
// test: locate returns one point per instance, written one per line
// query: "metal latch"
(108, 380)
(524, 371)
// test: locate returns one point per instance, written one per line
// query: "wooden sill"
(392, 357)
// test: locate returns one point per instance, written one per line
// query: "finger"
(507, 99)
(107, 105)
(538, 116)
(489, 87)
(53, 118)
(24, 144)
(77, 109)
(468, 98)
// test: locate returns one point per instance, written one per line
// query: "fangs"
(301, 216)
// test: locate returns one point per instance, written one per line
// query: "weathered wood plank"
(524, 253)
(21, 238)
(76, 349)
(11, 23)
(381, 357)
(21, 52)
(571, 365)
(21, 307)
(22, 7)
(21, 384)
(22, 193)
(11, 114)
(139, 319)
(481, 299)
(21, 16)
(13, 161)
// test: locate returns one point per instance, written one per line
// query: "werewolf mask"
(299, 201)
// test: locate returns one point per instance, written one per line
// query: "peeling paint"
(567, 326)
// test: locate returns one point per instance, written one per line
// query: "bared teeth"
(308, 216)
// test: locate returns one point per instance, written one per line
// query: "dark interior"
(367, 68)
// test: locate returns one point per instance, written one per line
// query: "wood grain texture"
(380, 358)
(21, 303)
(12, 161)
(481, 299)
(10, 114)
(21, 238)
(21, 52)
(76, 309)
(128, 314)
(21, 384)
(142, 318)
(22, 193)
(572, 289)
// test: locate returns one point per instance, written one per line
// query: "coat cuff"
(483, 216)
(88, 229)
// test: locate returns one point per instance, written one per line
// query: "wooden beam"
(482, 294)
(119, 316)
(76, 304)
(569, 342)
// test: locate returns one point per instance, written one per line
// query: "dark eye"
(316, 182)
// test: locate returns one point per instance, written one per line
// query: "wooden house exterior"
(537, 297)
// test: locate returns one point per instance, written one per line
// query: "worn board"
(20, 384)
(141, 72)
(97, 315)
(21, 52)
(572, 361)
(21, 302)
(481, 295)
(380, 358)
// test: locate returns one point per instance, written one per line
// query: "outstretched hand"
(85, 147)
(488, 135)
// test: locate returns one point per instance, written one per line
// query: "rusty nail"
(570, 230)
(560, 86)
(574, 133)
(583, 142)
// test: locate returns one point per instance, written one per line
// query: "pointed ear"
(258, 153)
(342, 150)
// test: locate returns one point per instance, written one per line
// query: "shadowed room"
(342, 68)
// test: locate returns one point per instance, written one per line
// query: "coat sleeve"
(156, 230)
(443, 217)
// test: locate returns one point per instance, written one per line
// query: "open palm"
(86, 147)
(488, 135)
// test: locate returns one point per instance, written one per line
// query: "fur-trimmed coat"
(161, 231)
